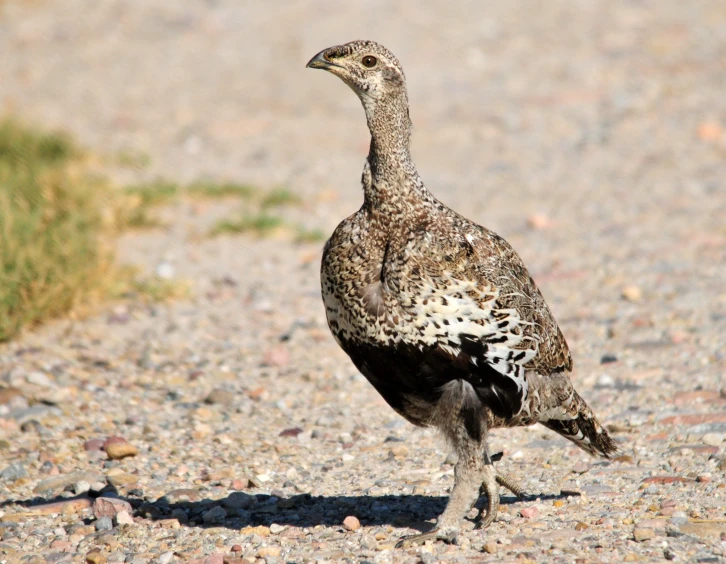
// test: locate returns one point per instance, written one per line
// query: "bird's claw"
(448, 537)
(483, 521)
(511, 485)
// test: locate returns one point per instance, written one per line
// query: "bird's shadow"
(243, 509)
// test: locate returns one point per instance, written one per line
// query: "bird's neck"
(391, 175)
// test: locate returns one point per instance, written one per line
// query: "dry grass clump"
(57, 225)
(58, 222)
(54, 252)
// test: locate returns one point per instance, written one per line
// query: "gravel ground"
(229, 427)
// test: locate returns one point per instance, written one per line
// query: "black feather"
(400, 371)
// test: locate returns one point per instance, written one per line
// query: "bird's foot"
(448, 535)
(490, 488)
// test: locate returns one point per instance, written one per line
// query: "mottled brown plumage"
(438, 313)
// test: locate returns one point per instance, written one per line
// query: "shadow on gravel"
(241, 509)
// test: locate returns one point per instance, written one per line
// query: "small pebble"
(104, 524)
(581, 467)
(605, 381)
(428, 557)
(608, 358)
(39, 379)
(95, 557)
(643, 534)
(491, 547)
(13, 472)
(214, 515)
(351, 523)
(97, 486)
(124, 518)
(631, 293)
(269, 551)
(110, 507)
(276, 529)
(94, 444)
(713, 439)
(81, 487)
(529, 512)
(220, 396)
(260, 530)
(679, 518)
(539, 221)
(240, 484)
(117, 451)
(165, 270)
(399, 451)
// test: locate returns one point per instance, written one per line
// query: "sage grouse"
(438, 313)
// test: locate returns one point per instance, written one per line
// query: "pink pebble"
(529, 512)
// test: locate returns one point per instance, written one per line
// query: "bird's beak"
(320, 62)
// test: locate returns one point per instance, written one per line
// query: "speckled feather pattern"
(420, 297)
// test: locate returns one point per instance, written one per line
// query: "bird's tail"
(584, 430)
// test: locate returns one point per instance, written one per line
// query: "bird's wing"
(474, 308)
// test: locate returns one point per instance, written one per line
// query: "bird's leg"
(468, 476)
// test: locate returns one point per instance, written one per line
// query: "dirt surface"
(591, 135)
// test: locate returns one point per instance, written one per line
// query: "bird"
(437, 312)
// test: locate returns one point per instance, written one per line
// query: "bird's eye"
(369, 61)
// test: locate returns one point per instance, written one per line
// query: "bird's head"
(367, 67)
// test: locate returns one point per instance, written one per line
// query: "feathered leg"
(459, 416)
(469, 473)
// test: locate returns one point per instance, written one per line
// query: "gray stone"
(704, 428)
(713, 439)
(38, 411)
(641, 534)
(13, 472)
(180, 515)
(81, 487)
(220, 396)
(104, 524)
(679, 518)
(605, 381)
(428, 558)
(239, 500)
(39, 379)
(214, 515)
(58, 483)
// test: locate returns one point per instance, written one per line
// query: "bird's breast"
(360, 303)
